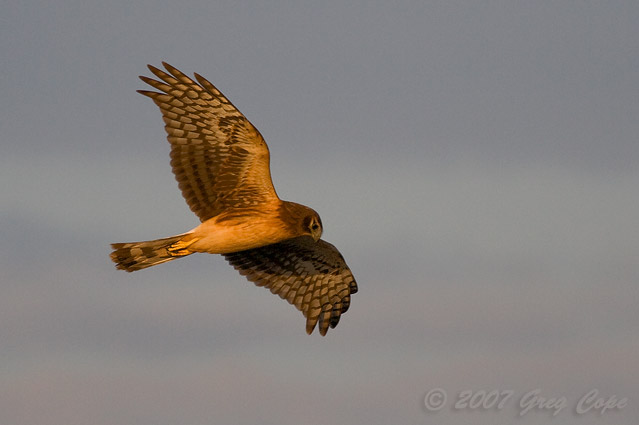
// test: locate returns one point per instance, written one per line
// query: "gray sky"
(475, 162)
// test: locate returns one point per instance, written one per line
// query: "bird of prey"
(221, 163)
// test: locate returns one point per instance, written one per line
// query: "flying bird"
(221, 163)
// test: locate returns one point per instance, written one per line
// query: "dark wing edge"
(312, 276)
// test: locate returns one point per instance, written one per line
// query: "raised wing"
(312, 276)
(219, 158)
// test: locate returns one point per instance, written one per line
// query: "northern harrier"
(221, 163)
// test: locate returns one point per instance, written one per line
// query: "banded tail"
(132, 256)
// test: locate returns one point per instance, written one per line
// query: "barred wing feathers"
(219, 158)
(312, 276)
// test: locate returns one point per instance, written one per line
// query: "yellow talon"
(180, 248)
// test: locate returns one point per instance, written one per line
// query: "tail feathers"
(132, 256)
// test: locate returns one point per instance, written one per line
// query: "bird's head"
(313, 225)
(303, 221)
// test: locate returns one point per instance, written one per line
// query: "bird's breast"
(220, 235)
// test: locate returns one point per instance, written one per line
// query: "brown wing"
(219, 159)
(312, 276)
